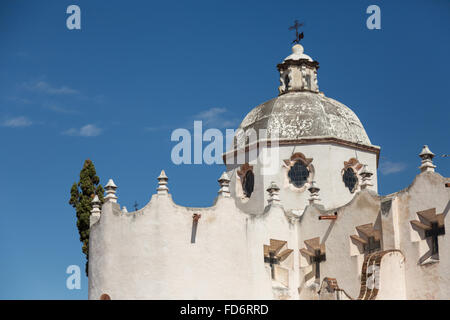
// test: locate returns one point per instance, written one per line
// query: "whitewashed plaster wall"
(343, 260)
(328, 162)
(425, 279)
(148, 254)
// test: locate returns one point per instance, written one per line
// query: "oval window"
(298, 174)
(248, 183)
(350, 179)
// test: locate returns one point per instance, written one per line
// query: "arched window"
(350, 179)
(298, 174)
(248, 184)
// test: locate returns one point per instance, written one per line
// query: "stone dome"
(301, 111)
(305, 114)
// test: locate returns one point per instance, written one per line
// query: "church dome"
(301, 112)
(305, 114)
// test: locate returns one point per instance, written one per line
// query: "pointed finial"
(95, 212)
(427, 160)
(314, 191)
(124, 209)
(366, 176)
(95, 206)
(162, 183)
(111, 191)
(224, 182)
(274, 193)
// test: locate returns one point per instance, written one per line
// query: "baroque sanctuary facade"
(297, 216)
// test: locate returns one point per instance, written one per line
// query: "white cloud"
(88, 130)
(389, 167)
(215, 117)
(17, 122)
(45, 87)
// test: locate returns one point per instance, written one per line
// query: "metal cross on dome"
(298, 36)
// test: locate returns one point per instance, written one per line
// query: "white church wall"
(328, 163)
(340, 263)
(426, 277)
(149, 255)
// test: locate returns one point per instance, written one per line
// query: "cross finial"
(298, 36)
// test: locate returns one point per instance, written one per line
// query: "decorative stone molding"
(427, 160)
(224, 182)
(315, 252)
(298, 72)
(111, 191)
(314, 190)
(370, 274)
(354, 165)
(95, 212)
(430, 226)
(289, 163)
(162, 184)
(274, 193)
(276, 255)
(368, 239)
(243, 170)
(233, 153)
(366, 177)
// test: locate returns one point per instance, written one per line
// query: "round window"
(298, 174)
(350, 179)
(248, 183)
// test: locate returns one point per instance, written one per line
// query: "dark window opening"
(248, 183)
(350, 179)
(298, 174)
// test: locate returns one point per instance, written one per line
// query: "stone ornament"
(288, 164)
(162, 184)
(111, 191)
(276, 255)
(427, 160)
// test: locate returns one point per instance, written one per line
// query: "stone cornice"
(312, 140)
(300, 62)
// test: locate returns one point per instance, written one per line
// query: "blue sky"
(114, 91)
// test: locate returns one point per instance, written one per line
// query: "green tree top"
(81, 195)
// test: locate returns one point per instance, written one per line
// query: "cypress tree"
(81, 195)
